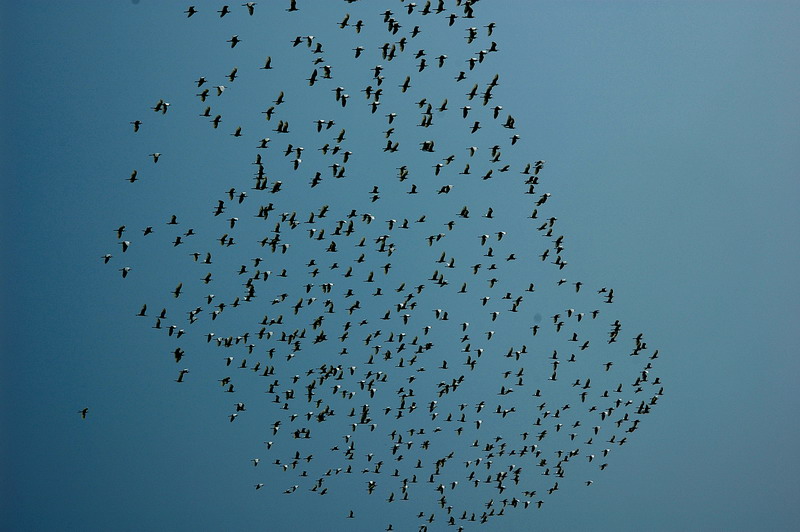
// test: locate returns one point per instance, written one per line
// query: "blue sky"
(670, 135)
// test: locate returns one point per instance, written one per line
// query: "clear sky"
(670, 135)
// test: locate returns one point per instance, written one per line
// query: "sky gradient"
(670, 132)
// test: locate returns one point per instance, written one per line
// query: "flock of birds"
(384, 298)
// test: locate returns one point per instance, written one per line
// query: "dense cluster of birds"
(385, 297)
